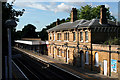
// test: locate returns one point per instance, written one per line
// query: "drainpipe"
(78, 46)
(91, 53)
(118, 63)
(109, 60)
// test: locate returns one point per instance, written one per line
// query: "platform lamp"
(10, 23)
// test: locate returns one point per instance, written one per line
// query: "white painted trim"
(96, 65)
(86, 41)
(81, 41)
(87, 63)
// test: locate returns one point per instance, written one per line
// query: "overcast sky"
(41, 13)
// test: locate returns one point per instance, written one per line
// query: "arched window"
(87, 58)
(96, 59)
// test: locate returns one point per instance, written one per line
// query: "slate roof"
(95, 23)
(81, 24)
(67, 25)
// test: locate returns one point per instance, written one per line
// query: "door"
(105, 67)
(66, 56)
(81, 59)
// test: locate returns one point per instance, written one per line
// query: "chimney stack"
(73, 14)
(103, 19)
(57, 22)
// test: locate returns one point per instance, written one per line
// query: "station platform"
(77, 71)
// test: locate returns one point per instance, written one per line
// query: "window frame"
(74, 36)
(81, 37)
(54, 37)
(96, 59)
(66, 36)
(50, 36)
(86, 36)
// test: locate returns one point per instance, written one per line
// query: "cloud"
(66, 0)
(38, 6)
(107, 6)
(62, 7)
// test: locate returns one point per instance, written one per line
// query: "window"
(86, 36)
(81, 36)
(50, 49)
(96, 59)
(64, 53)
(57, 52)
(68, 54)
(54, 36)
(66, 36)
(87, 58)
(59, 36)
(61, 52)
(50, 36)
(74, 36)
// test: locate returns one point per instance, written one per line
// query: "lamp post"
(10, 24)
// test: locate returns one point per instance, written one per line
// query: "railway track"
(39, 70)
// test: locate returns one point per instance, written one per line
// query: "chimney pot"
(57, 22)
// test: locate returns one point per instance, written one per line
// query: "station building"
(80, 43)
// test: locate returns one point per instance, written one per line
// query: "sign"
(113, 65)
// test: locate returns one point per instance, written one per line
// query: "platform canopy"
(31, 42)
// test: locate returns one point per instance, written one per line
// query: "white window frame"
(66, 36)
(59, 36)
(86, 36)
(80, 37)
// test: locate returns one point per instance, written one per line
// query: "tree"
(18, 35)
(8, 13)
(88, 12)
(29, 31)
(43, 34)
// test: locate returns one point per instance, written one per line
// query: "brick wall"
(83, 46)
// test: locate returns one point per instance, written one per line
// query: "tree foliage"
(88, 12)
(9, 13)
(29, 31)
(113, 41)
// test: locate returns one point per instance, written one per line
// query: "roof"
(81, 24)
(95, 23)
(67, 25)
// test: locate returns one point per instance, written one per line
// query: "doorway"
(105, 67)
(81, 59)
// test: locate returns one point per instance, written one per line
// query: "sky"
(43, 13)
